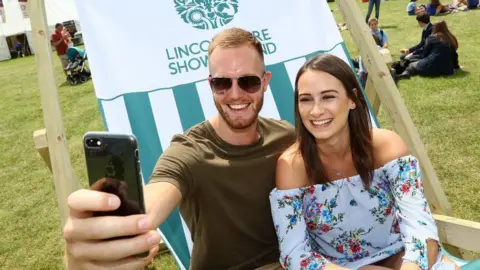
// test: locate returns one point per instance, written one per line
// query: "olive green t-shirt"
(225, 191)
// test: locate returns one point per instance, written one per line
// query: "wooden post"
(393, 102)
(370, 87)
(41, 144)
(63, 176)
(459, 233)
(394, 106)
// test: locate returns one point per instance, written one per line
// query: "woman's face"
(323, 104)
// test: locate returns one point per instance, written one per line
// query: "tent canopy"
(58, 11)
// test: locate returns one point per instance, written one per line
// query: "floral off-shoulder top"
(345, 224)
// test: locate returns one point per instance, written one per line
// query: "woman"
(436, 8)
(439, 55)
(348, 196)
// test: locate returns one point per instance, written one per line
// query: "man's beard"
(242, 124)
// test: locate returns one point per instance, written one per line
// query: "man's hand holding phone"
(89, 243)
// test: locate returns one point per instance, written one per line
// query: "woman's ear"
(353, 106)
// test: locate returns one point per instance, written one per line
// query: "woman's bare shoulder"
(290, 172)
(387, 146)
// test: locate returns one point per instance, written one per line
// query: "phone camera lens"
(94, 143)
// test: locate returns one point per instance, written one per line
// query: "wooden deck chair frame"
(458, 236)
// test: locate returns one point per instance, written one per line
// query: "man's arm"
(57, 42)
(416, 47)
(422, 41)
(160, 200)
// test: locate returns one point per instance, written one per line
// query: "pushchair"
(77, 70)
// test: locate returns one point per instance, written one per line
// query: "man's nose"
(236, 92)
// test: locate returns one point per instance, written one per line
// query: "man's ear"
(266, 80)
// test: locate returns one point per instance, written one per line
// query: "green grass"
(444, 110)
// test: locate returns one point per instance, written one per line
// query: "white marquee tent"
(58, 11)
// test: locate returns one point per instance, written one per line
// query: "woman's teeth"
(322, 122)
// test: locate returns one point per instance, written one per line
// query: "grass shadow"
(64, 84)
(389, 27)
(460, 73)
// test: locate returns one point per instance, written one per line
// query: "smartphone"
(113, 166)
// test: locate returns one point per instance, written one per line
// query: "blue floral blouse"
(345, 224)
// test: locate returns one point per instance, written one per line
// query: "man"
(382, 35)
(219, 173)
(414, 53)
(59, 41)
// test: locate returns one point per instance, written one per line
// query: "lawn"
(444, 110)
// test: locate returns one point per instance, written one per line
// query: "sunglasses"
(249, 84)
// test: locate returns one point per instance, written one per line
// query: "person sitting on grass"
(412, 8)
(436, 8)
(382, 36)
(413, 53)
(439, 57)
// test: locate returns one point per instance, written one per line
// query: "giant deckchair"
(149, 72)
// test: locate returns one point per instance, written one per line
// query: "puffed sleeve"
(294, 242)
(415, 219)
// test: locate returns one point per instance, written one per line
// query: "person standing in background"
(370, 9)
(59, 41)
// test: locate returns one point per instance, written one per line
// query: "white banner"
(166, 41)
(24, 8)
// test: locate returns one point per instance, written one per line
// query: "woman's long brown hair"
(358, 123)
(441, 31)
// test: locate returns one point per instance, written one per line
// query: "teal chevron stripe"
(282, 91)
(310, 55)
(173, 230)
(143, 127)
(102, 113)
(188, 104)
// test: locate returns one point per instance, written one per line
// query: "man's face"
(59, 28)
(373, 25)
(238, 107)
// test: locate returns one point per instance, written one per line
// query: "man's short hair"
(372, 20)
(58, 24)
(423, 17)
(235, 37)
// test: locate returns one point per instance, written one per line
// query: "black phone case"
(115, 163)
